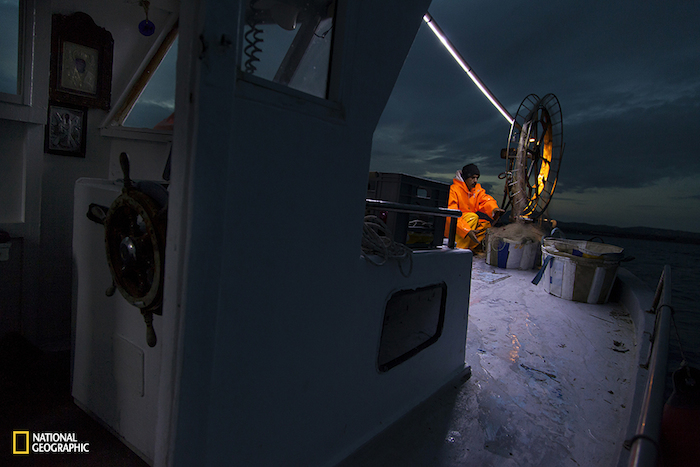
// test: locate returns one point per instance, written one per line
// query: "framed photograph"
(81, 62)
(66, 130)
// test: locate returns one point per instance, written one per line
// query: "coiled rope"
(378, 245)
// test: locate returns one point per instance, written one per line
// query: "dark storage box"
(413, 230)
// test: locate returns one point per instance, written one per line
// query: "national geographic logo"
(47, 442)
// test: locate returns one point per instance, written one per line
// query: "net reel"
(533, 156)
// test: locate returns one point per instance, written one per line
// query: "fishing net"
(516, 232)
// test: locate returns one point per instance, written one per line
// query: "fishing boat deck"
(552, 384)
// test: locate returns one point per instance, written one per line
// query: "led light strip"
(465, 66)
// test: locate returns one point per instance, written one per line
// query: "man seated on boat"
(479, 209)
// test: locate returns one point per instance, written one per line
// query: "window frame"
(23, 105)
(279, 95)
(114, 122)
(23, 58)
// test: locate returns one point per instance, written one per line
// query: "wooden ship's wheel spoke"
(135, 243)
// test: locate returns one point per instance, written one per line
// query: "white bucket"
(578, 270)
(510, 254)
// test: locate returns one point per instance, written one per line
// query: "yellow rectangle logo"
(20, 447)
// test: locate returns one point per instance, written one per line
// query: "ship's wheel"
(135, 228)
(533, 156)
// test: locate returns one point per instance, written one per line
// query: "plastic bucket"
(579, 270)
(511, 254)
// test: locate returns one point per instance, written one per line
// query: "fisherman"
(479, 209)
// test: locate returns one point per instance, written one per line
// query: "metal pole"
(465, 66)
(417, 209)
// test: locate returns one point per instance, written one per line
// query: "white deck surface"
(551, 385)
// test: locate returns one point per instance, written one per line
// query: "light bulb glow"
(465, 66)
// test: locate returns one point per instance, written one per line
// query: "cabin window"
(10, 55)
(19, 21)
(18, 155)
(151, 100)
(156, 104)
(289, 43)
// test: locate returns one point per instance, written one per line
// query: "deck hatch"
(413, 321)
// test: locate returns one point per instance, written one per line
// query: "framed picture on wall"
(66, 130)
(81, 62)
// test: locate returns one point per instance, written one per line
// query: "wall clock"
(81, 62)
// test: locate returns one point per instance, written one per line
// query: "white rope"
(378, 245)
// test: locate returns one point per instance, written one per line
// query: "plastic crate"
(414, 230)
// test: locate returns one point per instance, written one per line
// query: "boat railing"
(417, 209)
(644, 445)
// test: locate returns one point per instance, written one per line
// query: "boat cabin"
(183, 189)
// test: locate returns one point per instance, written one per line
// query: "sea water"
(650, 257)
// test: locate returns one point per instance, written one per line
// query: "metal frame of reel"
(533, 156)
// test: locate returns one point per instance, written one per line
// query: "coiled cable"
(253, 37)
(378, 245)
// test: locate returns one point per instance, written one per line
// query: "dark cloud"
(652, 143)
(625, 73)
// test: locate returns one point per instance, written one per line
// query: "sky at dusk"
(627, 76)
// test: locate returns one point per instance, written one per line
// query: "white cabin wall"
(58, 180)
(22, 136)
(38, 187)
(281, 314)
(21, 162)
(13, 174)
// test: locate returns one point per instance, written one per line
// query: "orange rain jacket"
(467, 201)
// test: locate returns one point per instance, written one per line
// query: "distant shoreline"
(642, 233)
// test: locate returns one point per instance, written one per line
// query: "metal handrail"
(417, 209)
(644, 449)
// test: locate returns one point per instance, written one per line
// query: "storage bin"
(511, 254)
(414, 230)
(579, 270)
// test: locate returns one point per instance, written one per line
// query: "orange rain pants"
(469, 202)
